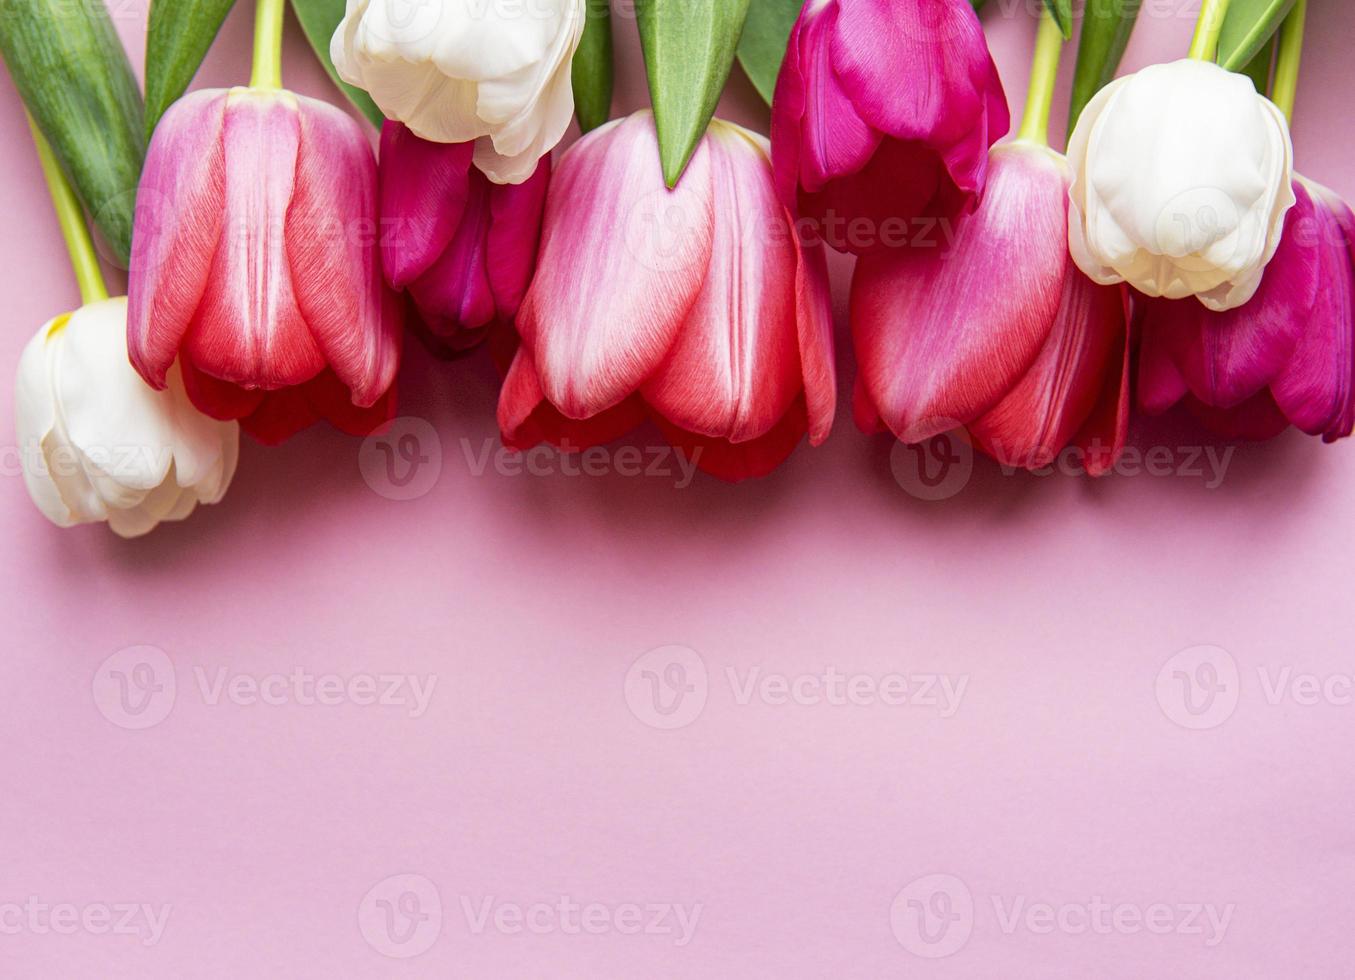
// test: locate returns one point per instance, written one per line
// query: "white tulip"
(494, 71)
(1182, 178)
(99, 444)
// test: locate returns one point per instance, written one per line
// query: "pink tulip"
(884, 113)
(255, 263)
(998, 332)
(695, 307)
(1285, 357)
(463, 247)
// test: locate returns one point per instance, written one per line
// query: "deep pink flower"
(1286, 356)
(884, 113)
(463, 247)
(695, 307)
(999, 332)
(255, 263)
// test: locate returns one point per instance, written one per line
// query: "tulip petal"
(333, 254)
(620, 266)
(514, 235)
(1258, 418)
(180, 204)
(35, 421)
(736, 461)
(424, 188)
(814, 321)
(942, 334)
(527, 419)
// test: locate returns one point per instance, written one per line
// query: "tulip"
(98, 444)
(255, 264)
(493, 71)
(883, 114)
(696, 307)
(999, 332)
(1287, 356)
(463, 247)
(1182, 176)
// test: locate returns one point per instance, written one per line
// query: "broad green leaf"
(177, 40)
(1106, 27)
(319, 19)
(593, 70)
(1259, 68)
(1246, 29)
(1062, 11)
(978, 4)
(763, 45)
(74, 76)
(689, 50)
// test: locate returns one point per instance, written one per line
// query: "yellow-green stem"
(1286, 84)
(1204, 46)
(268, 44)
(1044, 72)
(71, 216)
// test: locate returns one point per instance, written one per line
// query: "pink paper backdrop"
(875, 729)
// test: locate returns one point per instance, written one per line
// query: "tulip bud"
(463, 247)
(465, 69)
(1181, 183)
(1286, 357)
(998, 332)
(99, 444)
(697, 307)
(884, 112)
(255, 264)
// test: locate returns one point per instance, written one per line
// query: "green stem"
(1204, 46)
(71, 217)
(1286, 84)
(268, 44)
(1044, 71)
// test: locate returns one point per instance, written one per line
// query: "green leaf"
(763, 45)
(319, 19)
(74, 77)
(177, 40)
(1246, 29)
(689, 50)
(978, 4)
(1062, 11)
(593, 72)
(1106, 27)
(1258, 69)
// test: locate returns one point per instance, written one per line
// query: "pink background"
(273, 832)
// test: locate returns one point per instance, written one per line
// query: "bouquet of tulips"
(671, 266)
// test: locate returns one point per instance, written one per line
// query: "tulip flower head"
(884, 113)
(1287, 356)
(256, 264)
(696, 307)
(99, 444)
(463, 247)
(998, 332)
(493, 71)
(1182, 177)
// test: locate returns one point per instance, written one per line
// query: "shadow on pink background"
(611, 726)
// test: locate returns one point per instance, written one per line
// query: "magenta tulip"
(696, 307)
(998, 332)
(464, 248)
(1285, 357)
(255, 264)
(884, 113)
